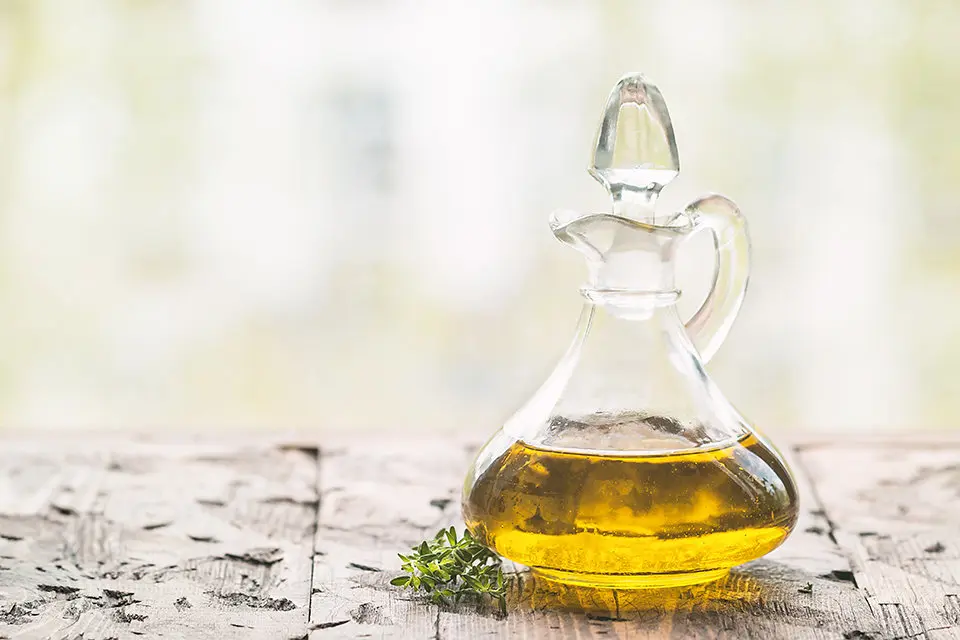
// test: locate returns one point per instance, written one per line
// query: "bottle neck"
(647, 327)
(637, 203)
(627, 304)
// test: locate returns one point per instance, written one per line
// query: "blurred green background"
(333, 214)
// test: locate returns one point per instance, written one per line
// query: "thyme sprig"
(451, 569)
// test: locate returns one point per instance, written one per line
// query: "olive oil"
(631, 521)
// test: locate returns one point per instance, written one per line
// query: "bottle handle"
(709, 326)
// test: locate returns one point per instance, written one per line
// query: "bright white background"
(333, 214)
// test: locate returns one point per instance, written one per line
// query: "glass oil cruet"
(628, 468)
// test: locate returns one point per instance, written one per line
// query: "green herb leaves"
(450, 570)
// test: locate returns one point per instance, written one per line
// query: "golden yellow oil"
(632, 521)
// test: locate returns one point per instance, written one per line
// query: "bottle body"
(628, 468)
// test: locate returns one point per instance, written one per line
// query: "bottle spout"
(629, 262)
(600, 236)
(635, 153)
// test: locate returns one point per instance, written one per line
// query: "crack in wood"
(441, 503)
(317, 456)
(328, 625)
(264, 556)
(831, 530)
(124, 616)
(61, 589)
(840, 576)
(257, 602)
(936, 547)
(21, 613)
(821, 511)
(202, 538)
(369, 613)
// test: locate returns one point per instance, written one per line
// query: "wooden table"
(241, 537)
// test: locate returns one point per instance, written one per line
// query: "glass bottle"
(628, 468)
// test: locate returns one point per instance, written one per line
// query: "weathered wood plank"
(896, 510)
(378, 498)
(210, 540)
(193, 541)
(381, 496)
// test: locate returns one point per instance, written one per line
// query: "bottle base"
(632, 581)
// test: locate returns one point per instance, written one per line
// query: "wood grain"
(179, 541)
(896, 510)
(378, 498)
(103, 539)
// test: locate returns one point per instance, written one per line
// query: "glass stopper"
(636, 152)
